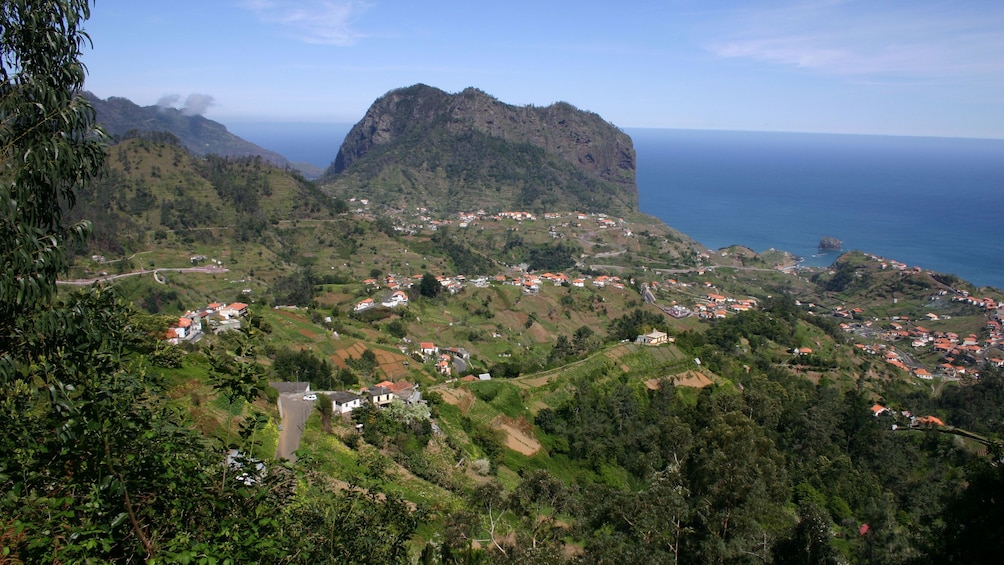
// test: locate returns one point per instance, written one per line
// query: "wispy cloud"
(195, 104)
(918, 40)
(325, 22)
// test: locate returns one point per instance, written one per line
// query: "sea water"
(936, 203)
(299, 142)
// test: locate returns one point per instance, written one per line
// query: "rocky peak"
(582, 140)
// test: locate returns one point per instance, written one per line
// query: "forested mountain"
(122, 118)
(420, 146)
(152, 185)
(610, 393)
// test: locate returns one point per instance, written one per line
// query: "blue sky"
(912, 67)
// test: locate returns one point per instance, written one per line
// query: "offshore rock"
(830, 244)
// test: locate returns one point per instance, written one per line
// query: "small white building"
(379, 395)
(343, 402)
(654, 337)
(398, 298)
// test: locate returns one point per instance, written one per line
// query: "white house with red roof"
(397, 298)
(443, 365)
(234, 310)
(364, 304)
(186, 328)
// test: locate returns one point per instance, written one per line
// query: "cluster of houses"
(988, 304)
(380, 394)
(397, 295)
(424, 221)
(957, 352)
(914, 421)
(891, 263)
(529, 282)
(216, 316)
(955, 349)
(718, 306)
(445, 359)
(889, 354)
(709, 306)
(393, 300)
(345, 401)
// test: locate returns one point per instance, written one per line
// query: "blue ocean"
(936, 203)
(299, 142)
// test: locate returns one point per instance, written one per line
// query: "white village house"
(654, 337)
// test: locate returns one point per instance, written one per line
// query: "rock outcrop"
(830, 244)
(469, 149)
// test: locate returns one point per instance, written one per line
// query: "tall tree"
(429, 287)
(738, 479)
(94, 464)
(49, 146)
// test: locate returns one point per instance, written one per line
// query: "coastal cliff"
(421, 145)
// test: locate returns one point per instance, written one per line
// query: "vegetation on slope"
(722, 447)
(420, 146)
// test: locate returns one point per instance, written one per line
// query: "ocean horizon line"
(913, 199)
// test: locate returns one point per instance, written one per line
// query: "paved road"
(293, 411)
(647, 294)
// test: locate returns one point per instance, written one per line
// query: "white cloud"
(917, 41)
(325, 22)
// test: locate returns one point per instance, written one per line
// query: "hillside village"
(309, 378)
(673, 296)
(703, 294)
(215, 317)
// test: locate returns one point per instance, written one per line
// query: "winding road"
(107, 278)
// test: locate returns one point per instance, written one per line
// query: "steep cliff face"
(455, 150)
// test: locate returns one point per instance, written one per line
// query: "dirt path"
(109, 278)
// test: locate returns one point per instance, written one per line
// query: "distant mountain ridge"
(422, 146)
(202, 136)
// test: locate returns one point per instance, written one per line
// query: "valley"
(357, 370)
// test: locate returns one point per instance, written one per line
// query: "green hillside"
(122, 119)
(422, 147)
(573, 413)
(569, 385)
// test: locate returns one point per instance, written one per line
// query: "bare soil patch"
(689, 378)
(354, 351)
(392, 364)
(538, 334)
(534, 382)
(460, 397)
(291, 315)
(616, 353)
(517, 439)
(333, 298)
(308, 334)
